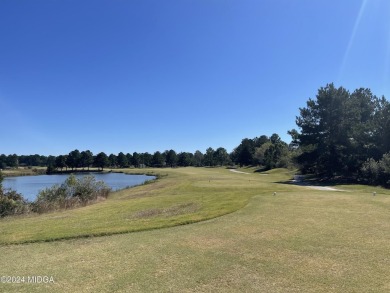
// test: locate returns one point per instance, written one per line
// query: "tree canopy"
(340, 131)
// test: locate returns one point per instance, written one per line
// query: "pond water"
(29, 186)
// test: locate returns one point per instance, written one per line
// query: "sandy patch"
(327, 188)
(240, 172)
(236, 171)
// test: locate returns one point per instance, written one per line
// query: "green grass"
(210, 193)
(301, 240)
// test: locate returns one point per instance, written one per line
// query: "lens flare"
(352, 38)
(386, 75)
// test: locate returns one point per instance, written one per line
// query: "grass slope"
(183, 196)
(300, 240)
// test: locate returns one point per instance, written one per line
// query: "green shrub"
(11, 203)
(370, 171)
(384, 165)
(72, 193)
(374, 172)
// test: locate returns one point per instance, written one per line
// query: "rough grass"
(24, 171)
(168, 212)
(300, 240)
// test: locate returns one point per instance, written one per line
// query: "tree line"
(266, 151)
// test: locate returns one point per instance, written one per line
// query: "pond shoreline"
(74, 172)
(30, 186)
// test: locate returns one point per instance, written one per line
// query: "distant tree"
(60, 162)
(381, 129)
(112, 161)
(260, 153)
(44, 161)
(208, 158)
(129, 159)
(171, 158)
(198, 159)
(13, 161)
(185, 159)
(32, 160)
(294, 144)
(259, 141)
(122, 160)
(73, 159)
(146, 159)
(221, 157)
(86, 159)
(243, 154)
(50, 169)
(51, 160)
(275, 138)
(37, 160)
(158, 160)
(274, 153)
(136, 160)
(3, 161)
(24, 160)
(277, 156)
(101, 161)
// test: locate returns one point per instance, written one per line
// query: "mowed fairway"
(300, 240)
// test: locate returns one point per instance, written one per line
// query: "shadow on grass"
(262, 170)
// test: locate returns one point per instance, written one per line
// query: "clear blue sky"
(143, 75)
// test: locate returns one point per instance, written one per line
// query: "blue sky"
(145, 75)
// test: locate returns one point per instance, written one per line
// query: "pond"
(29, 186)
